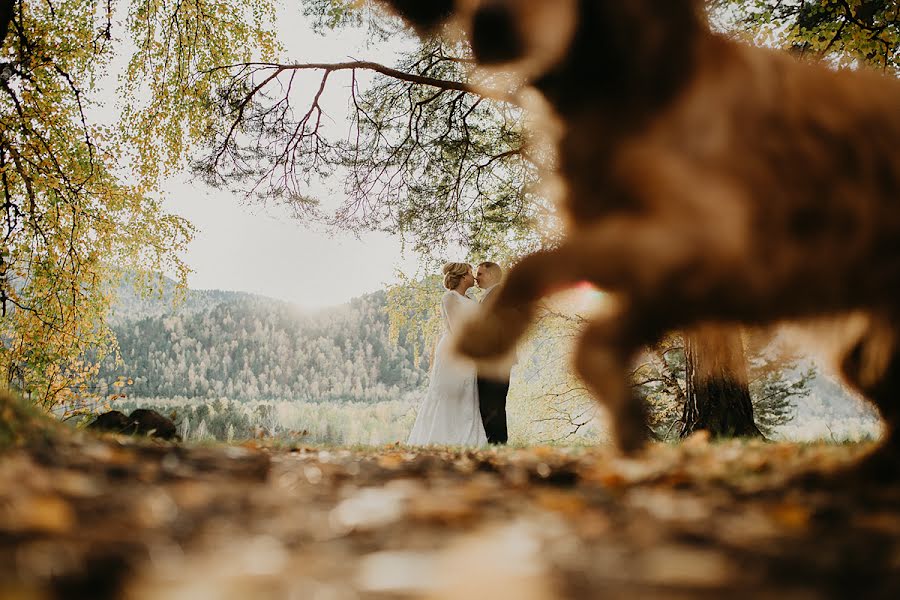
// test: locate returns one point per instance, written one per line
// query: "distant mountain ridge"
(164, 299)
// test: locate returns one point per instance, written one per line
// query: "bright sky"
(258, 249)
(264, 251)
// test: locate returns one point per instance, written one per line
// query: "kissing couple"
(462, 408)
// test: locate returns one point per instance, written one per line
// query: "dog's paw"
(486, 339)
(877, 470)
(482, 340)
(497, 369)
(631, 433)
(881, 466)
(630, 441)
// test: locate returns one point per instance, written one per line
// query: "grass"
(21, 424)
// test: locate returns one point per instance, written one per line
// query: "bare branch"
(444, 84)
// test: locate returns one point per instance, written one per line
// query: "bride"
(449, 414)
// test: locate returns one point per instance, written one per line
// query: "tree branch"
(445, 84)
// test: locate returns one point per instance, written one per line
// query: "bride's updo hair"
(453, 274)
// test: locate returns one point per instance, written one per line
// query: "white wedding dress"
(449, 414)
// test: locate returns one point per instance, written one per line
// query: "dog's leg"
(604, 351)
(637, 256)
(506, 315)
(872, 366)
(604, 348)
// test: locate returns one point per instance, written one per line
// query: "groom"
(492, 391)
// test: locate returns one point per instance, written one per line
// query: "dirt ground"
(113, 517)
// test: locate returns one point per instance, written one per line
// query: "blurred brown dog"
(704, 180)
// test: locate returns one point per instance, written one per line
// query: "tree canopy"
(848, 33)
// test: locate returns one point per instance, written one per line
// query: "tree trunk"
(716, 390)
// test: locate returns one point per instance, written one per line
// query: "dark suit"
(492, 402)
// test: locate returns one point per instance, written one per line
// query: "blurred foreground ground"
(91, 518)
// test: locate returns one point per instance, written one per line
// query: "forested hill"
(246, 347)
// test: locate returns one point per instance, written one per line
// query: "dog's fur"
(704, 180)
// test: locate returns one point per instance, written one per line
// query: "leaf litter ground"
(115, 517)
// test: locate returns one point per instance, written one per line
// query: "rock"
(141, 421)
(113, 421)
(150, 422)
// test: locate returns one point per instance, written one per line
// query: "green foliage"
(174, 72)
(73, 220)
(778, 378)
(336, 14)
(413, 307)
(846, 32)
(70, 222)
